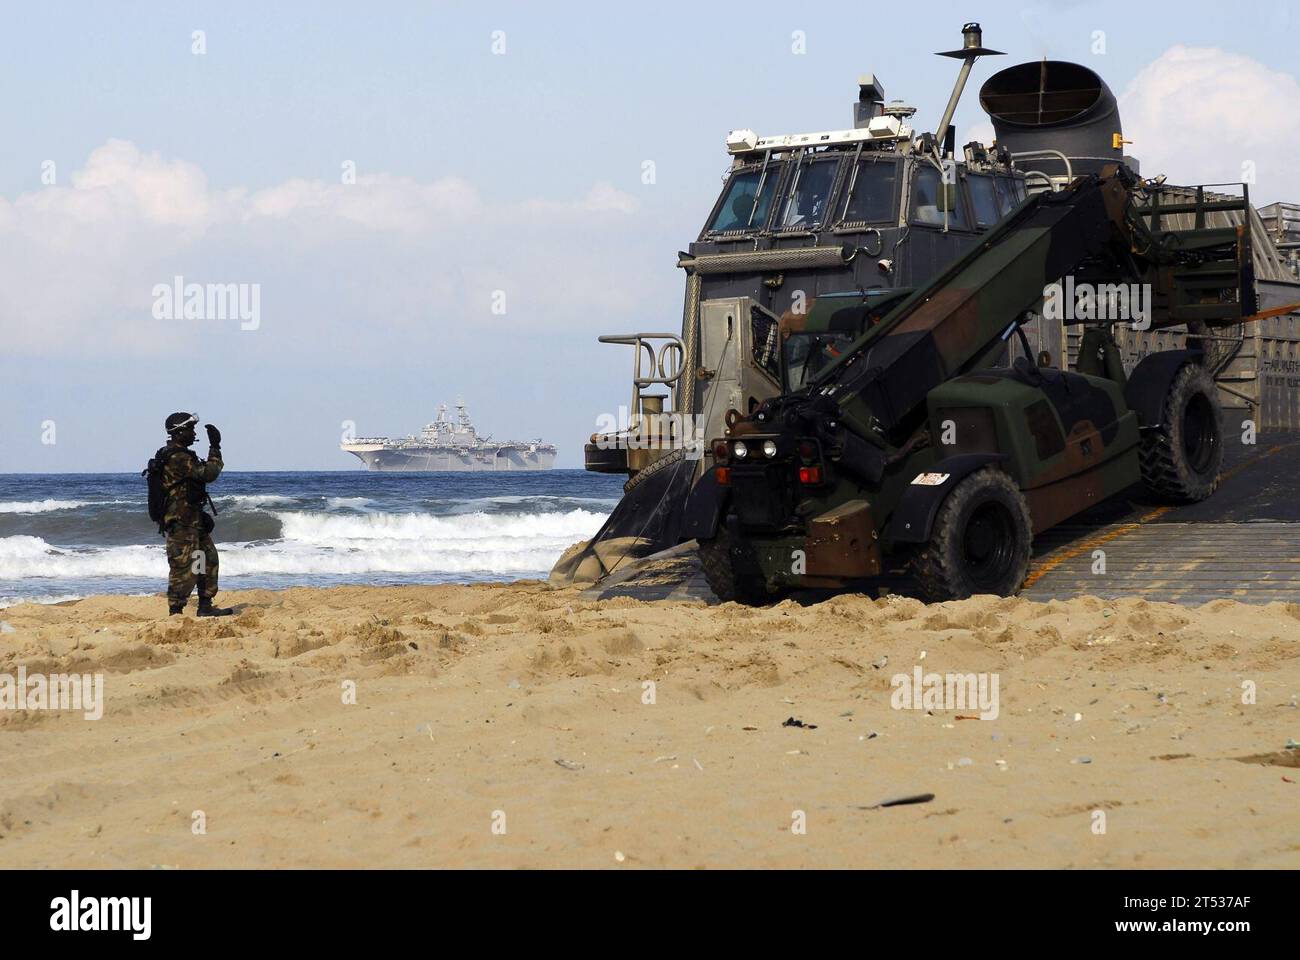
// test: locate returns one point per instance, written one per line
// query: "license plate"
(930, 479)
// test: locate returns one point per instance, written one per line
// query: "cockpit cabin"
(802, 192)
(905, 212)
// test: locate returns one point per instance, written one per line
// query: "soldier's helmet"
(179, 421)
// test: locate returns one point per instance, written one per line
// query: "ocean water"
(64, 536)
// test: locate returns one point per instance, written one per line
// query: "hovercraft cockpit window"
(738, 211)
(929, 198)
(984, 199)
(807, 205)
(870, 195)
(1010, 192)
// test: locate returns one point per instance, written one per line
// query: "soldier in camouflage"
(191, 554)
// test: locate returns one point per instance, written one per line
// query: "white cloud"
(983, 132)
(377, 202)
(1198, 114)
(601, 198)
(387, 252)
(119, 176)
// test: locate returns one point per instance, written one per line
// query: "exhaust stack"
(1055, 106)
(972, 48)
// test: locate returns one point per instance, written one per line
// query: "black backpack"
(196, 491)
(157, 492)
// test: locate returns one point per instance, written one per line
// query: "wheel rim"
(1200, 433)
(989, 545)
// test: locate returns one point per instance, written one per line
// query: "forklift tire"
(724, 569)
(663, 463)
(1181, 457)
(980, 542)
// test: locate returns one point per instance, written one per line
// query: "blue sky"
(476, 172)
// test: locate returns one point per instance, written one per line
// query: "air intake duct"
(1054, 105)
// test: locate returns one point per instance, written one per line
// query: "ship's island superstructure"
(450, 445)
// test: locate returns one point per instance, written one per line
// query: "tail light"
(723, 476)
(810, 470)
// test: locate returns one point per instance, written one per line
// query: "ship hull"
(417, 461)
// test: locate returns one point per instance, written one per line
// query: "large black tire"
(663, 463)
(730, 574)
(981, 540)
(1181, 458)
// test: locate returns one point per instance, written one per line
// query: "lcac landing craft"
(844, 277)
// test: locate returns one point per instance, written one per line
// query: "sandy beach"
(519, 726)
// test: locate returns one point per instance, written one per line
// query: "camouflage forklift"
(909, 446)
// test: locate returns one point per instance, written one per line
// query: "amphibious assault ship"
(447, 445)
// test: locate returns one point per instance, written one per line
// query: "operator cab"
(812, 341)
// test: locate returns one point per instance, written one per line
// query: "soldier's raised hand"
(214, 435)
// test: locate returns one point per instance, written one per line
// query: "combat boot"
(175, 608)
(206, 609)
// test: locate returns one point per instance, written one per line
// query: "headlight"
(739, 450)
(769, 448)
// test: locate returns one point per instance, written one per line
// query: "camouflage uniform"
(188, 527)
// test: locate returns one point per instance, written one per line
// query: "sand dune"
(521, 709)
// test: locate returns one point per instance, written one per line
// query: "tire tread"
(932, 568)
(726, 582)
(1160, 459)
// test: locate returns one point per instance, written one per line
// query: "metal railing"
(665, 364)
(1053, 184)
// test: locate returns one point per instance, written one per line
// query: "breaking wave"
(335, 530)
(40, 506)
(312, 543)
(251, 501)
(76, 535)
(348, 503)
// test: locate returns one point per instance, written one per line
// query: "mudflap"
(913, 518)
(704, 507)
(1148, 384)
(648, 519)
